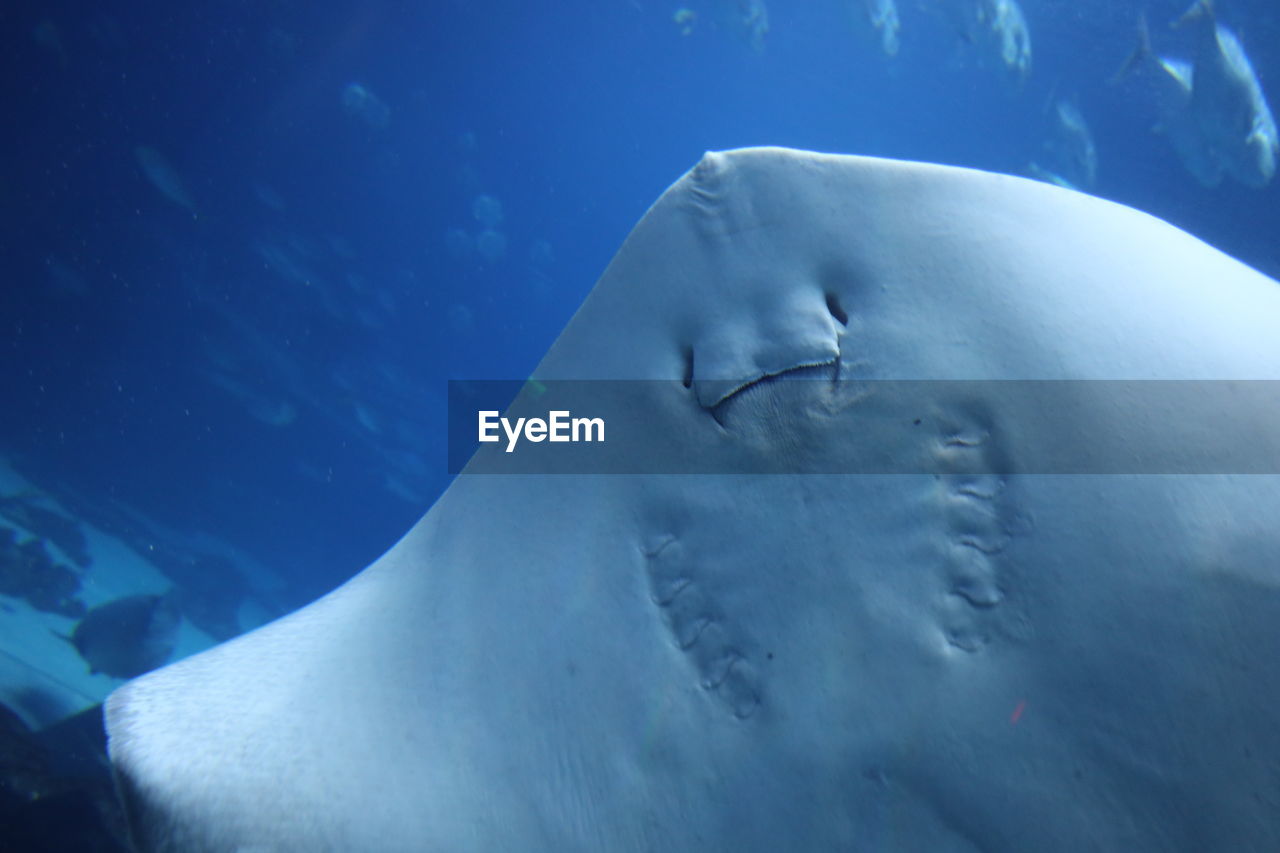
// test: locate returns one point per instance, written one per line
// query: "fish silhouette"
(128, 636)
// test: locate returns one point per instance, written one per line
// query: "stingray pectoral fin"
(936, 657)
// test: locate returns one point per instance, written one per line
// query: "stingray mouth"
(775, 397)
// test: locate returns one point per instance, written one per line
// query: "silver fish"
(163, 177)
(128, 636)
(1069, 157)
(749, 19)
(1167, 84)
(993, 29)
(1227, 102)
(883, 15)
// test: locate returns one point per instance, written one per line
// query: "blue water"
(260, 353)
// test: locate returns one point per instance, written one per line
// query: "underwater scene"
(999, 569)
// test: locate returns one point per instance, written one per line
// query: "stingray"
(961, 653)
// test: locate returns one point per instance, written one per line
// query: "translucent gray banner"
(806, 421)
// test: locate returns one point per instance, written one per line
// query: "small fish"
(64, 278)
(1012, 36)
(1167, 83)
(962, 17)
(262, 405)
(1227, 102)
(163, 177)
(360, 103)
(128, 636)
(749, 18)
(883, 15)
(1212, 109)
(47, 35)
(686, 19)
(991, 29)
(1069, 157)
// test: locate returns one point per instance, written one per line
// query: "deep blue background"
(339, 296)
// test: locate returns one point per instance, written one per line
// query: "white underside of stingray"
(795, 662)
